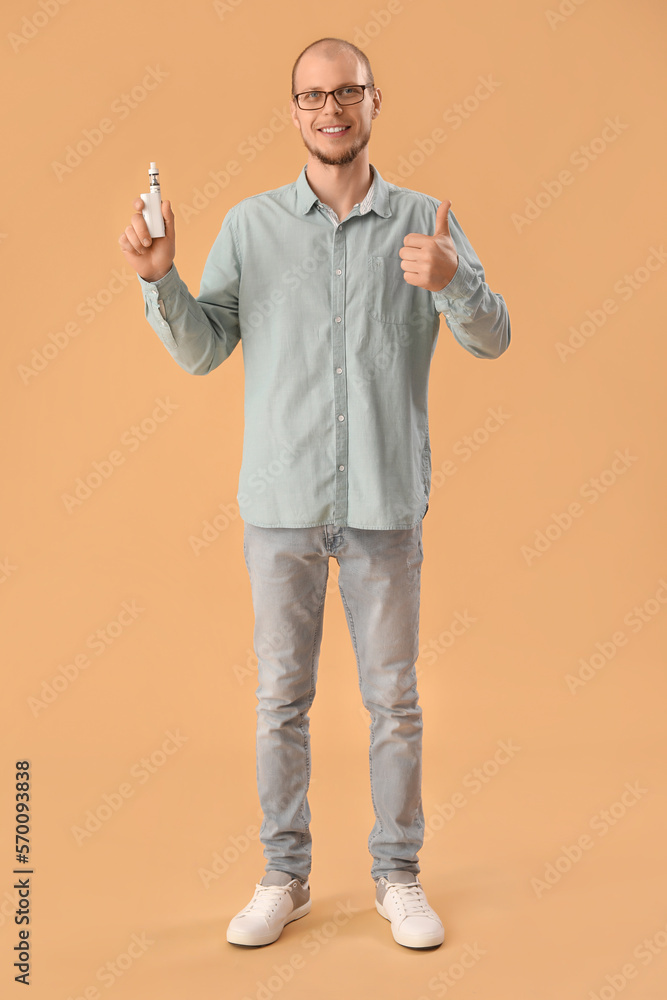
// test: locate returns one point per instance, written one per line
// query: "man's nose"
(335, 102)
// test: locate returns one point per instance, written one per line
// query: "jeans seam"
(353, 636)
(245, 553)
(311, 695)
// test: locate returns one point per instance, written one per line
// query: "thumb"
(442, 218)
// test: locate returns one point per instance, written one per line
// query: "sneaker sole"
(412, 940)
(250, 940)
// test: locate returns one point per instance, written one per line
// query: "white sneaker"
(400, 898)
(278, 899)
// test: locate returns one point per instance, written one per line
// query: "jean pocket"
(389, 297)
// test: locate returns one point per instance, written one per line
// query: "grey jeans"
(379, 582)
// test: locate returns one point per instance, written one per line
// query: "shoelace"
(411, 897)
(266, 898)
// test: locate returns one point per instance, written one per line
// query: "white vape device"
(152, 211)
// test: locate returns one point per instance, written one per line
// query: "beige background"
(184, 665)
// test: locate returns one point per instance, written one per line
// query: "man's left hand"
(430, 262)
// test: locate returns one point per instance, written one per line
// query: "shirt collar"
(306, 197)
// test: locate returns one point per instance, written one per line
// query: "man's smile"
(334, 129)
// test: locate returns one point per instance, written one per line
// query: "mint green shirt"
(336, 346)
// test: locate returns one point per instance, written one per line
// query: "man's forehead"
(314, 69)
(342, 83)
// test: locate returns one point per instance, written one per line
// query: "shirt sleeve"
(199, 333)
(477, 317)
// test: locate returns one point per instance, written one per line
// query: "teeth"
(338, 128)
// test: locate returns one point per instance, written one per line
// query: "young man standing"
(334, 285)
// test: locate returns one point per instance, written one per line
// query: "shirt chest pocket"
(389, 297)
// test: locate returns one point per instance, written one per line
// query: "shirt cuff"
(461, 285)
(166, 282)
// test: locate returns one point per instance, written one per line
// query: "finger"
(442, 218)
(410, 265)
(416, 240)
(125, 244)
(133, 239)
(141, 229)
(409, 253)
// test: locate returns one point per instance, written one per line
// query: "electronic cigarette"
(152, 211)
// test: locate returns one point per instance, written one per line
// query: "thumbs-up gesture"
(430, 262)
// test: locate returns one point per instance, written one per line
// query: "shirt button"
(338, 319)
(341, 467)
(339, 271)
(339, 371)
(340, 227)
(341, 417)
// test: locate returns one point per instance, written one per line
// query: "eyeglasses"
(312, 100)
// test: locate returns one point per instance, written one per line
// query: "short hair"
(332, 46)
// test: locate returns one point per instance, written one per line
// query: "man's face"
(319, 72)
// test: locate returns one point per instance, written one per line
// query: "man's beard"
(346, 156)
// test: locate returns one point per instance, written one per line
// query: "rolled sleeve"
(199, 333)
(478, 317)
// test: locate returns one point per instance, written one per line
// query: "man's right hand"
(152, 261)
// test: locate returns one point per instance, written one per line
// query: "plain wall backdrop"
(128, 670)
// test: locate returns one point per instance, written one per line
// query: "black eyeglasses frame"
(364, 87)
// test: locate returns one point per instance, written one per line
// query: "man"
(334, 285)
